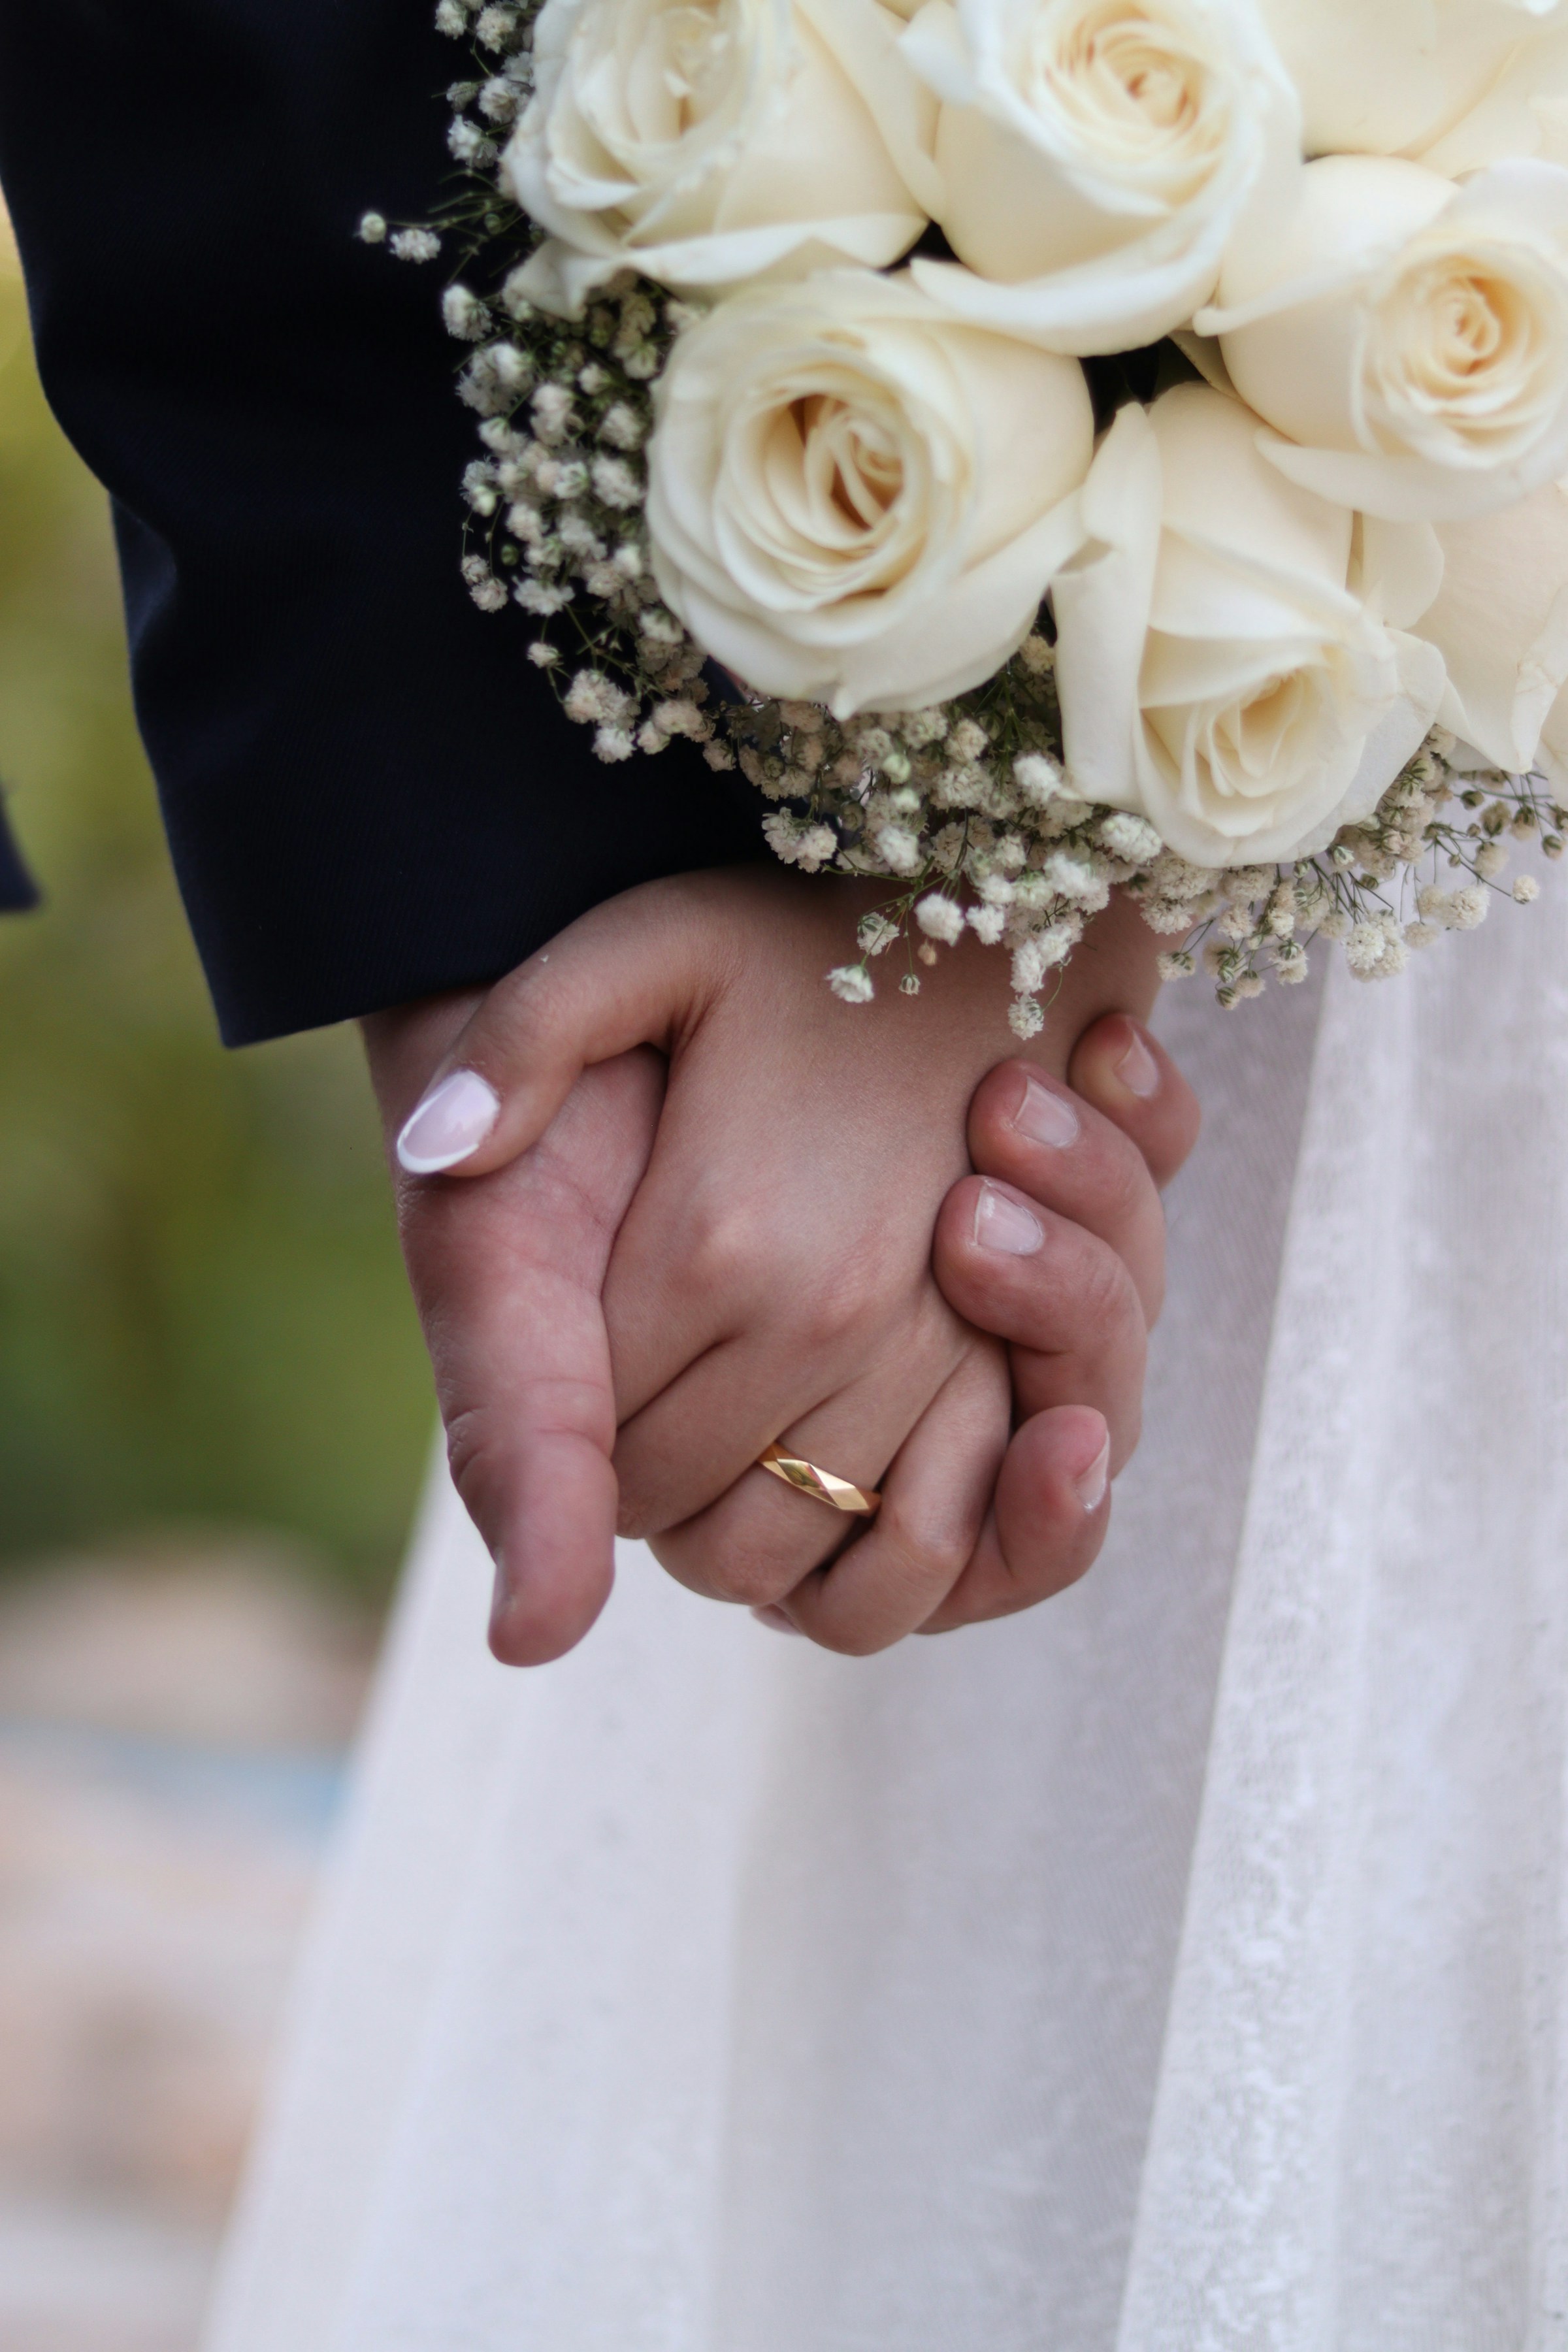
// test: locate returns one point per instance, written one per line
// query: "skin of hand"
(773, 1275)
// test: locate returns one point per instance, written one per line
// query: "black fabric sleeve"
(370, 794)
(16, 886)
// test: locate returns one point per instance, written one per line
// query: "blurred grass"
(203, 1319)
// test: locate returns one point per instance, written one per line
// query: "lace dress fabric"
(1179, 1966)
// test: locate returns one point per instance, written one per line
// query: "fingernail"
(1091, 1484)
(769, 1613)
(452, 1120)
(1047, 1118)
(1138, 1070)
(1001, 1222)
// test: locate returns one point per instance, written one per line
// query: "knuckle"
(470, 1453)
(485, 1440)
(719, 1249)
(843, 1300)
(737, 1552)
(465, 1442)
(925, 1555)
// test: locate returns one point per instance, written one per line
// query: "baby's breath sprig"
(1383, 888)
(966, 808)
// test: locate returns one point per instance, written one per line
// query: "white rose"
(1093, 158)
(854, 498)
(706, 142)
(1523, 111)
(1229, 667)
(1500, 623)
(1397, 76)
(1411, 335)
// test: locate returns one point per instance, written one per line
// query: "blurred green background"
(204, 1326)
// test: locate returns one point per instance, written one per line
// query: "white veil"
(1181, 1965)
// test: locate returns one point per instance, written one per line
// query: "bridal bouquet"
(1051, 446)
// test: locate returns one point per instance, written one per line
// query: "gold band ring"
(820, 1485)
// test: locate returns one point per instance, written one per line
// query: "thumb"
(508, 1276)
(635, 970)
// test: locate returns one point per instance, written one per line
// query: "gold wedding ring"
(820, 1485)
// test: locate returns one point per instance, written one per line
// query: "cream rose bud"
(1500, 623)
(856, 500)
(1405, 77)
(1232, 652)
(1093, 159)
(1411, 335)
(706, 142)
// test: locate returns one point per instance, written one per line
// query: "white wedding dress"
(1178, 1969)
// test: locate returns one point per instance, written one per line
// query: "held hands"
(762, 1242)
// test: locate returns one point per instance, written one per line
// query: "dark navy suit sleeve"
(369, 795)
(16, 888)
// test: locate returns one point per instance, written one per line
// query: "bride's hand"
(762, 1284)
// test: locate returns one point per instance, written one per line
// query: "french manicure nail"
(452, 1120)
(771, 1615)
(1092, 1483)
(1138, 1070)
(1003, 1224)
(1047, 1118)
